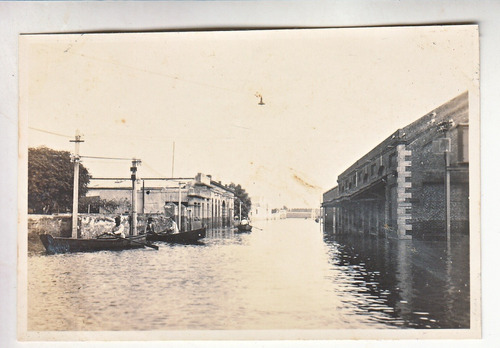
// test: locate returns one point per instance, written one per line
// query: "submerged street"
(285, 274)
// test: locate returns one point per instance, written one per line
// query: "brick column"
(403, 186)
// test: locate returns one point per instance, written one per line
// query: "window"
(392, 160)
(372, 169)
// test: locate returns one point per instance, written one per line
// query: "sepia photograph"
(250, 184)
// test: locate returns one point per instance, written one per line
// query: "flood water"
(283, 275)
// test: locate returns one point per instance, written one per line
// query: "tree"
(241, 195)
(50, 180)
(89, 204)
(97, 204)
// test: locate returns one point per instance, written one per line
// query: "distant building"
(200, 198)
(261, 210)
(302, 213)
(398, 188)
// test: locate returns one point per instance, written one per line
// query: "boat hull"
(56, 245)
(244, 228)
(189, 237)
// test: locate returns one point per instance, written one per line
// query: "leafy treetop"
(50, 181)
(241, 195)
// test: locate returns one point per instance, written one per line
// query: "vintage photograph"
(250, 184)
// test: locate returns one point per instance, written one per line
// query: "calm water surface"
(283, 275)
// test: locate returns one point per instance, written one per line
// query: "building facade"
(398, 189)
(261, 210)
(302, 213)
(200, 199)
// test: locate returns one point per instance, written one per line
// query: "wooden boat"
(55, 245)
(187, 237)
(244, 226)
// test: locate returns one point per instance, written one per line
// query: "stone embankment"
(89, 226)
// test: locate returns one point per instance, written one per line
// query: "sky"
(330, 96)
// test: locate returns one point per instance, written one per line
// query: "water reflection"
(220, 233)
(284, 275)
(418, 284)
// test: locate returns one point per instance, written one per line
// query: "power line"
(154, 170)
(49, 132)
(152, 72)
(109, 158)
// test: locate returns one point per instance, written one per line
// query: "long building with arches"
(200, 199)
(414, 184)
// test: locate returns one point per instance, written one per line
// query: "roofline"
(330, 190)
(394, 138)
(215, 183)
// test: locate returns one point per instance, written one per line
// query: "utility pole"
(180, 208)
(143, 197)
(76, 172)
(444, 127)
(133, 221)
(447, 189)
(173, 158)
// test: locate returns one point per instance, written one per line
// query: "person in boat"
(172, 226)
(150, 228)
(118, 229)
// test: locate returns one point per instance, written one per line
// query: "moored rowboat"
(188, 237)
(55, 245)
(244, 226)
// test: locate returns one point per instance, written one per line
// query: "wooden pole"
(133, 221)
(173, 158)
(444, 127)
(143, 198)
(180, 209)
(448, 191)
(76, 174)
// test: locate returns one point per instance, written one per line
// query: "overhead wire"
(172, 77)
(153, 169)
(147, 71)
(109, 158)
(52, 133)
